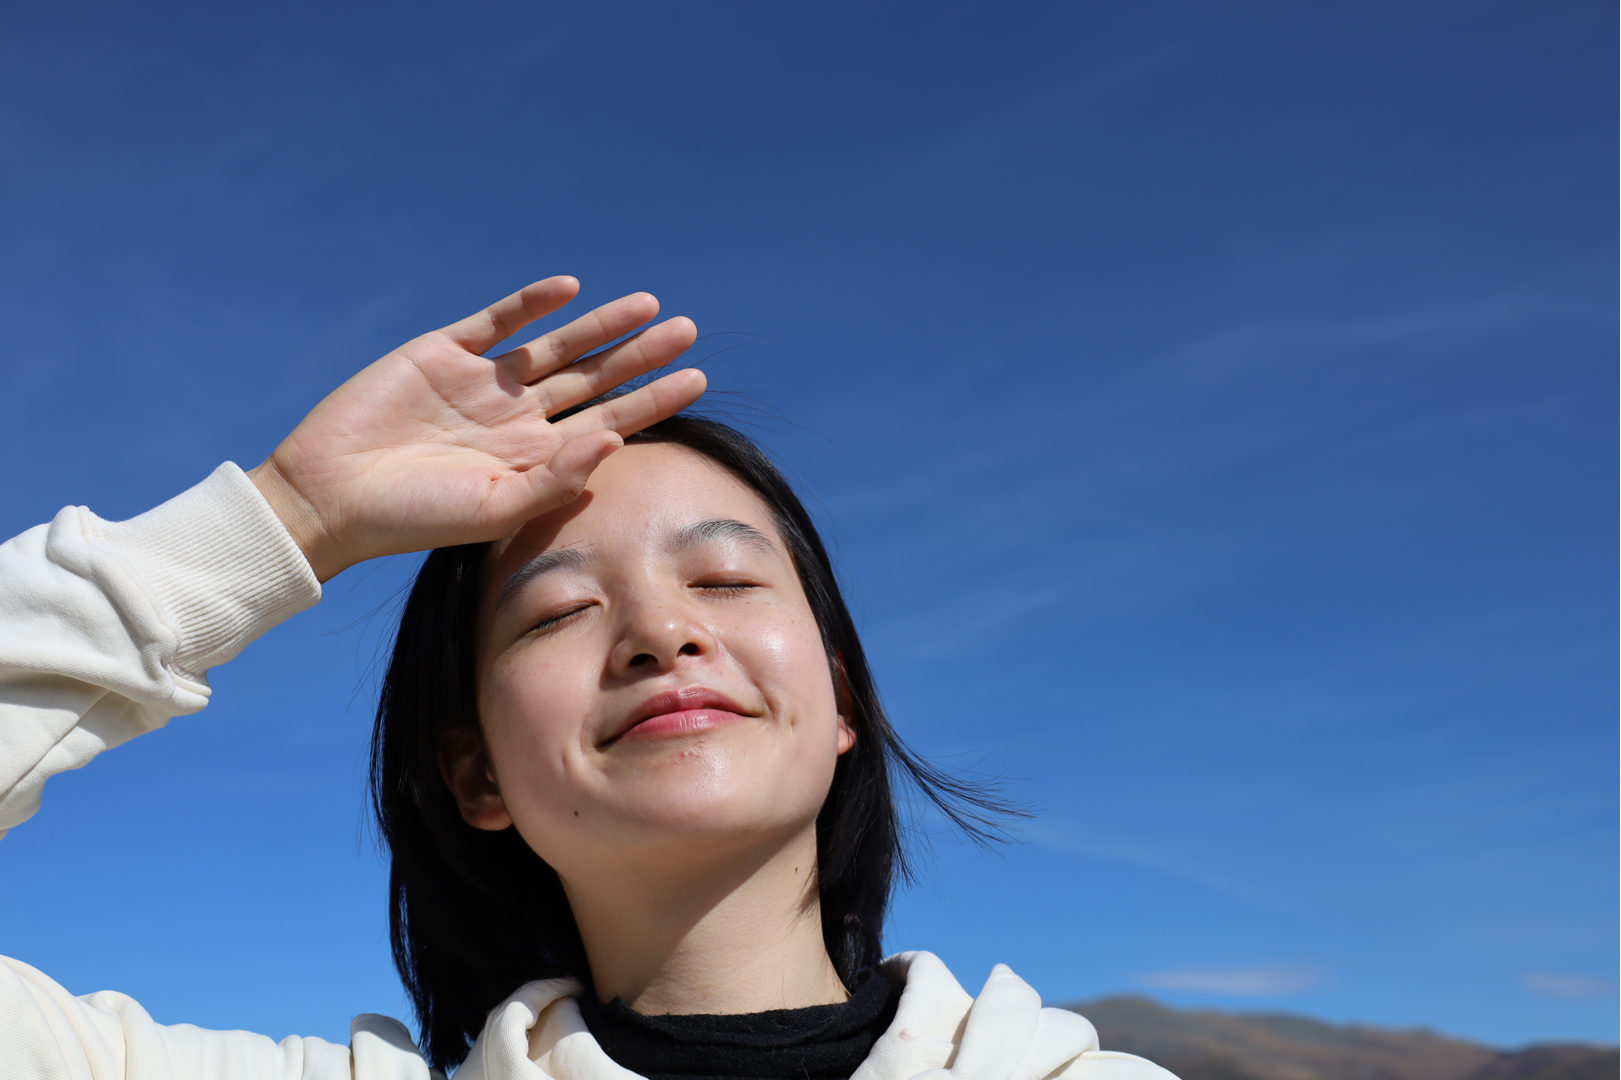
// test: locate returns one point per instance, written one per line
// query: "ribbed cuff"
(220, 563)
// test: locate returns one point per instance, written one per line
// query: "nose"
(658, 630)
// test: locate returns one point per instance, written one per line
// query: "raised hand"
(435, 444)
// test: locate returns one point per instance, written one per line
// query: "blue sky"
(1211, 406)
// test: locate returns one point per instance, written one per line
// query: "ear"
(847, 735)
(846, 703)
(464, 765)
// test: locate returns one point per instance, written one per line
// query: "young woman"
(629, 762)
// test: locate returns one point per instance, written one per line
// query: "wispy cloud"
(1560, 984)
(1273, 981)
(1054, 833)
(968, 619)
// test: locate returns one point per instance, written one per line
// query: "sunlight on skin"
(435, 444)
(663, 726)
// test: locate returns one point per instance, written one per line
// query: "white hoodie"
(107, 629)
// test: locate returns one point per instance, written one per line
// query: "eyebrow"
(547, 562)
(703, 532)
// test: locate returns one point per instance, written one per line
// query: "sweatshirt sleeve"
(48, 1034)
(107, 629)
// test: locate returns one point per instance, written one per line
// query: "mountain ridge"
(1213, 1045)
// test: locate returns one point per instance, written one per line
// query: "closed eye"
(726, 588)
(558, 619)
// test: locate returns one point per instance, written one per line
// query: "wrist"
(299, 517)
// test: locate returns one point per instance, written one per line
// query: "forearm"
(107, 629)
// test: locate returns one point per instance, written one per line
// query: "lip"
(690, 710)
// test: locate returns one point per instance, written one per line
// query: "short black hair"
(473, 914)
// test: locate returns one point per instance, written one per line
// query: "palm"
(435, 444)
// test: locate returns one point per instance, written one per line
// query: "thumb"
(566, 474)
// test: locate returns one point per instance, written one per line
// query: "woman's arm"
(48, 1034)
(107, 629)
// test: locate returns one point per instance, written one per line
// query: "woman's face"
(651, 677)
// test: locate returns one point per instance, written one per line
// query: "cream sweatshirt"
(107, 629)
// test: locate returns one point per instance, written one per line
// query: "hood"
(940, 1032)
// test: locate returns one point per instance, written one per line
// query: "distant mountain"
(1279, 1046)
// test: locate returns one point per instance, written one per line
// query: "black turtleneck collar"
(823, 1042)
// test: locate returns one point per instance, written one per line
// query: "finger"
(567, 344)
(639, 408)
(596, 375)
(507, 316)
(566, 474)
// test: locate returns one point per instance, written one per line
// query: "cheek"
(791, 668)
(533, 714)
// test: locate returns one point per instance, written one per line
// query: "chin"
(722, 814)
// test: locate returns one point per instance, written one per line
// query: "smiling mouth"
(692, 710)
